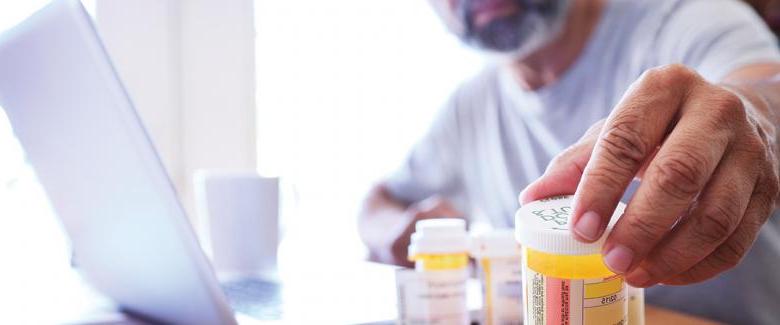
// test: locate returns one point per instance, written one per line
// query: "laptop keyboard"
(256, 298)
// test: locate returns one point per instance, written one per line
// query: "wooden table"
(654, 315)
(662, 316)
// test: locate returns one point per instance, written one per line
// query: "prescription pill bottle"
(439, 248)
(565, 281)
(498, 259)
(636, 305)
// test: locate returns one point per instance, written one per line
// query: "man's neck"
(546, 66)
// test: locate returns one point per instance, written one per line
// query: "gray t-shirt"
(493, 138)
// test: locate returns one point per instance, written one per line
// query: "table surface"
(342, 293)
(661, 316)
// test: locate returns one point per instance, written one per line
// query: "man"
(681, 94)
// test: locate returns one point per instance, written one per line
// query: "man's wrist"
(763, 111)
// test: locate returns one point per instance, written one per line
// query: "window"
(344, 88)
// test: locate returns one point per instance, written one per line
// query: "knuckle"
(771, 188)
(715, 223)
(730, 102)
(765, 204)
(727, 108)
(670, 75)
(687, 277)
(755, 147)
(644, 230)
(758, 132)
(623, 144)
(769, 181)
(773, 173)
(680, 174)
(728, 255)
(702, 271)
(607, 176)
(671, 262)
(751, 225)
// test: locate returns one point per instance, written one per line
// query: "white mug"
(238, 222)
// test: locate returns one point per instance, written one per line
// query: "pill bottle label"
(437, 297)
(551, 300)
(502, 290)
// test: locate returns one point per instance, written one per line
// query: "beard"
(518, 34)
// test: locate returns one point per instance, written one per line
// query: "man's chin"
(513, 41)
(500, 35)
(509, 52)
(494, 49)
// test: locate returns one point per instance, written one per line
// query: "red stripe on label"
(557, 293)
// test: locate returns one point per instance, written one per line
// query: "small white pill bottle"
(636, 305)
(566, 281)
(439, 248)
(499, 263)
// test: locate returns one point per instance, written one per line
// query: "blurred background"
(327, 95)
(769, 10)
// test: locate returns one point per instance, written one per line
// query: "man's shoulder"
(649, 7)
(643, 12)
(720, 11)
(664, 10)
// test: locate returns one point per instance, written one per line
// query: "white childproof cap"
(439, 236)
(544, 226)
(496, 243)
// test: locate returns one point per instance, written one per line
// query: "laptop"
(92, 155)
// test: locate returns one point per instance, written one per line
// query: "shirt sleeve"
(433, 165)
(715, 37)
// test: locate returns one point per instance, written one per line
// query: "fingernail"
(618, 258)
(639, 278)
(588, 226)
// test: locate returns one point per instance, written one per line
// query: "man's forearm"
(386, 223)
(759, 88)
(382, 221)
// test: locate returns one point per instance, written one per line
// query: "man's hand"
(386, 224)
(431, 208)
(709, 171)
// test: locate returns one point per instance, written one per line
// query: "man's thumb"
(562, 174)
